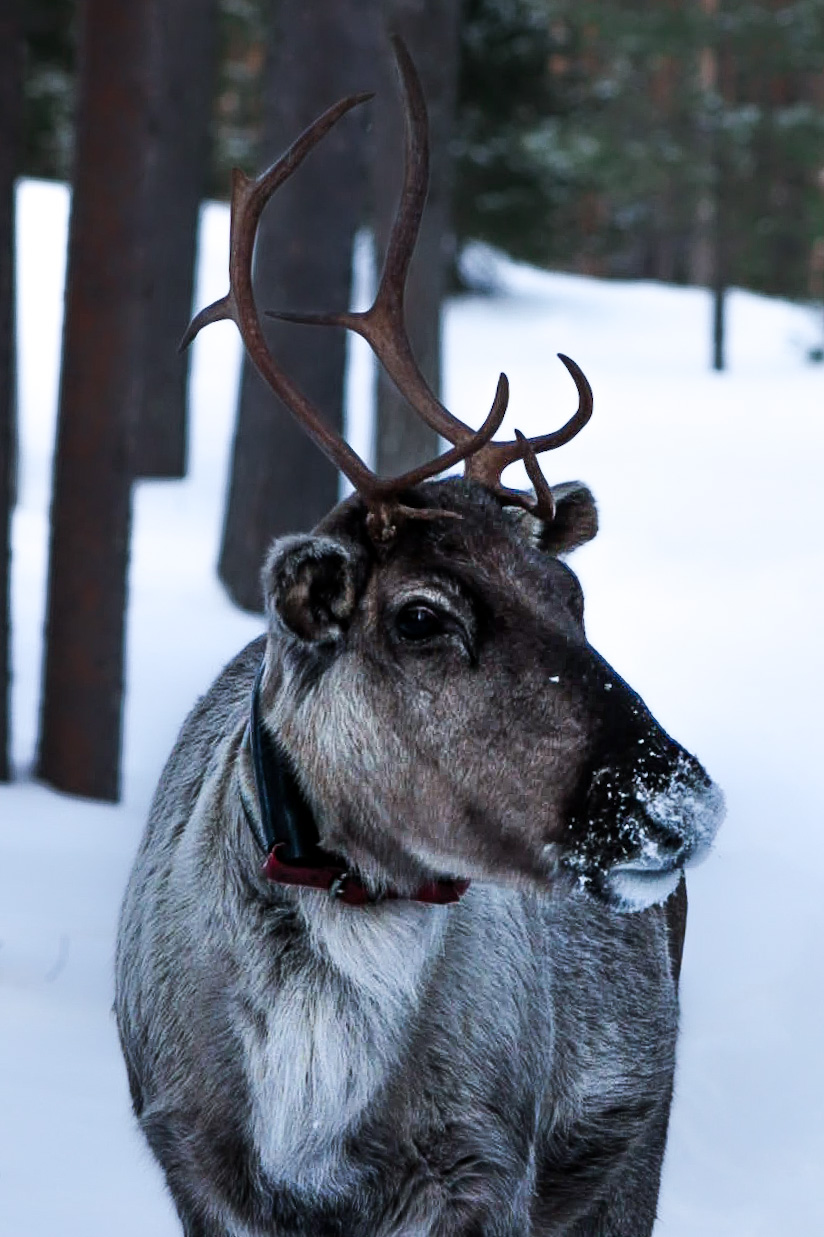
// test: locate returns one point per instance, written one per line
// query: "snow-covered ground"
(704, 589)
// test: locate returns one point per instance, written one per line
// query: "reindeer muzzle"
(646, 810)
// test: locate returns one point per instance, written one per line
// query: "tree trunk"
(279, 480)
(721, 260)
(430, 29)
(183, 50)
(711, 81)
(80, 736)
(11, 107)
(718, 324)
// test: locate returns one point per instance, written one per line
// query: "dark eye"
(418, 622)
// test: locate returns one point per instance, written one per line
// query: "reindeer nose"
(668, 842)
(645, 809)
(645, 814)
(676, 816)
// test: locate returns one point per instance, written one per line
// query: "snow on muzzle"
(646, 808)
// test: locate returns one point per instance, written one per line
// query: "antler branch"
(382, 326)
(488, 464)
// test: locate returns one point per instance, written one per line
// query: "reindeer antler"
(382, 326)
(488, 463)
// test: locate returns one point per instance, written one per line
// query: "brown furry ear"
(311, 586)
(575, 522)
(576, 519)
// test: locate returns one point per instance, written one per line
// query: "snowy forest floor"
(704, 590)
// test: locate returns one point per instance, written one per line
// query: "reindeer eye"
(418, 622)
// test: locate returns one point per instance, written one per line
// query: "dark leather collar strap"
(346, 887)
(288, 834)
(285, 817)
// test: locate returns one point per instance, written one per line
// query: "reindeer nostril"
(666, 841)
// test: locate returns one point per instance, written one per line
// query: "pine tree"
(81, 717)
(511, 89)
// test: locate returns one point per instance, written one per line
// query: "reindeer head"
(447, 715)
(427, 667)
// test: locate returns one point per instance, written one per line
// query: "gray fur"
(500, 1067)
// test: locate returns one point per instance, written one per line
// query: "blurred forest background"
(678, 140)
(591, 135)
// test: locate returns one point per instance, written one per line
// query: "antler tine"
(249, 197)
(461, 451)
(544, 505)
(382, 326)
(488, 464)
(248, 200)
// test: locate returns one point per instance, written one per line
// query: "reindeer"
(399, 953)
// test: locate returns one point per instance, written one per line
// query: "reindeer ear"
(311, 586)
(575, 522)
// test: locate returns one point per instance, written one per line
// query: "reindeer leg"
(604, 1185)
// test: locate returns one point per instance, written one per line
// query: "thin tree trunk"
(816, 289)
(11, 107)
(719, 292)
(183, 51)
(279, 481)
(710, 78)
(80, 737)
(721, 260)
(430, 29)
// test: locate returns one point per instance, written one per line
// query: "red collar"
(345, 886)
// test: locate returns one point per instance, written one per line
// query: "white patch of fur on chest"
(333, 1033)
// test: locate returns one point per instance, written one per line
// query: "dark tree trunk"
(80, 735)
(718, 322)
(430, 29)
(182, 75)
(721, 265)
(11, 107)
(279, 481)
(719, 81)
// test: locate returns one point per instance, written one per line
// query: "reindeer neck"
(288, 835)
